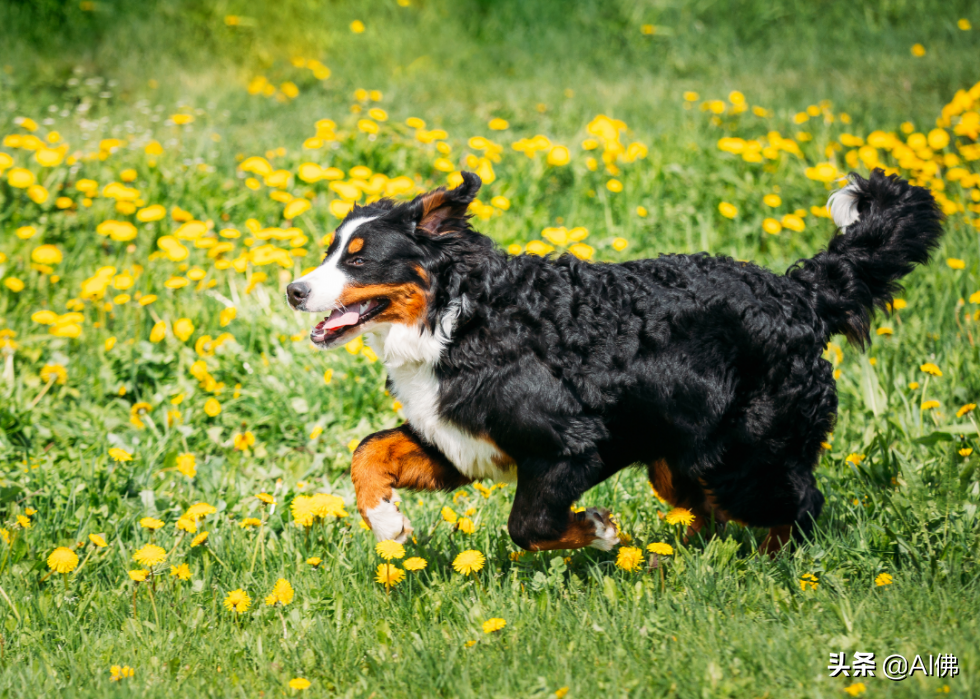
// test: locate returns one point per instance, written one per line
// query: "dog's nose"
(297, 293)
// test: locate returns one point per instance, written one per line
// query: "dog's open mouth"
(343, 319)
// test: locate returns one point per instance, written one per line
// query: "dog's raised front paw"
(387, 522)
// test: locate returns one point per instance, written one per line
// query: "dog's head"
(375, 270)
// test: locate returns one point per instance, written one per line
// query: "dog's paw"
(607, 535)
(387, 522)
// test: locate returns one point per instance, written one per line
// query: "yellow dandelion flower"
(854, 458)
(883, 579)
(327, 505)
(661, 549)
(856, 689)
(357, 26)
(181, 572)
(465, 525)
(282, 593)
(680, 515)
(449, 515)
(629, 558)
(808, 581)
(199, 510)
(302, 508)
(389, 549)
(62, 560)
(119, 672)
(117, 454)
(918, 50)
(250, 522)
(955, 263)
(931, 369)
(53, 372)
(314, 561)
(243, 441)
(930, 404)
(966, 451)
(495, 624)
(771, 226)
(150, 555)
(97, 540)
(727, 210)
(138, 575)
(968, 408)
(187, 464)
(266, 498)
(299, 683)
(199, 539)
(24, 522)
(151, 523)
(415, 563)
(237, 601)
(389, 575)
(469, 562)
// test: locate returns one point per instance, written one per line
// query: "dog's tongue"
(338, 320)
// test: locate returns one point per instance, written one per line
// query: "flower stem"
(42, 393)
(153, 602)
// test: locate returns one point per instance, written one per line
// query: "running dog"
(558, 373)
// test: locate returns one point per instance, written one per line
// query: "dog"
(557, 373)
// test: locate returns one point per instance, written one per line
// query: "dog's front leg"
(541, 518)
(392, 459)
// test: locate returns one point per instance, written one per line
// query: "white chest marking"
(410, 357)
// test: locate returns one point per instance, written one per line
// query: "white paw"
(605, 531)
(387, 522)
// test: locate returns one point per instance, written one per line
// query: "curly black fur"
(578, 370)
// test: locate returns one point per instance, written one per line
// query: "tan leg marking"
(588, 528)
(396, 459)
(776, 539)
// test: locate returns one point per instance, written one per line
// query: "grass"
(721, 621)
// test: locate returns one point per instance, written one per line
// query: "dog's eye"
(356, 261)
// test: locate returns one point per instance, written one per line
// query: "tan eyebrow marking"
(355, 245)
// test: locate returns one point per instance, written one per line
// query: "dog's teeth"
(364, 307)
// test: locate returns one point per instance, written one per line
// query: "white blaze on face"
(327, 281)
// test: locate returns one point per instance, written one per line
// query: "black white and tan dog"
(557, 373)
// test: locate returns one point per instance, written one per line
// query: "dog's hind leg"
(541, 518)
(776, 539)
(392, 459)
(689, 493)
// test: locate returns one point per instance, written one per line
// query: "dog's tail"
(887, 226)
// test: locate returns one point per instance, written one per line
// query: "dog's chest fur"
(410, 357)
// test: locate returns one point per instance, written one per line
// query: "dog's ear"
(441, 211)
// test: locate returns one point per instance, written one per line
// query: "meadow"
(176, 515)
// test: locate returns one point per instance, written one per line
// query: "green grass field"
(224, 140)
